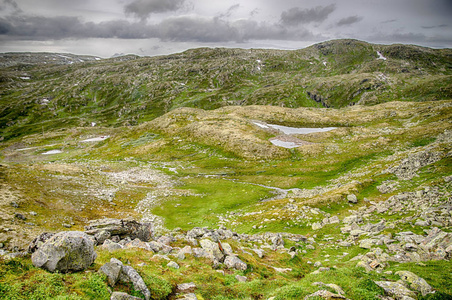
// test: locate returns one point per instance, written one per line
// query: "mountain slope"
(131, 90)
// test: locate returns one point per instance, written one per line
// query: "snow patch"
(261, 125)
(52, 152)
(324, 63)
(96, 139)
(25, 77)
(284, 144)
(294, 130)
(380, 56)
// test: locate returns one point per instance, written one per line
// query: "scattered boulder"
(212, 249)
(415, 282)
(65, 252)
(116, 271)
(129, 274)
(241, 278)
(233, 262)
(173, 265)
(396, 290)
(352, 198)
(112, 270)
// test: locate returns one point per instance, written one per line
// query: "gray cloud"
(9, 6)
(196, 29)
(349, 20)
(175, 29)
(144, 8)
(296, 15)
(42, 28)
(436, 26)
(388, 21)
(230, 11)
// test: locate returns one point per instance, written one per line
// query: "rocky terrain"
(193, 203)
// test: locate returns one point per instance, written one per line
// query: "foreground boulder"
(65, 252)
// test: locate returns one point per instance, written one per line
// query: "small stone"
(20, 216)
(185, 287)
(352, 198)
(363, 264)
(33, 213)
(173, 265)
(14, 204)
(366, 244)
(317, 226)
(345, 244)
(66, 225)
(241, 278)
(123, 296)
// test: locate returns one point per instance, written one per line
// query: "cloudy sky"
(154, 27)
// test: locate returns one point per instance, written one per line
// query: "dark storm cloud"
(42, 28)
(144, 8)
(349, 20)
(296, 15)
(175, 29)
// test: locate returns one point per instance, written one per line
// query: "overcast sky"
(154, 27)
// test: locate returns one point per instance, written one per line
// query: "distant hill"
(41, 91)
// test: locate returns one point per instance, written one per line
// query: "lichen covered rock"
(65, 252)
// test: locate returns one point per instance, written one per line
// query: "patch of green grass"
(213, 196)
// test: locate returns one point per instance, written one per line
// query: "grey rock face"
(65, 252)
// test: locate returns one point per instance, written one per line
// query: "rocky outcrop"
(65, 252)
(103, 229)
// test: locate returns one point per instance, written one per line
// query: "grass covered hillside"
(45, 91)
(356, 205)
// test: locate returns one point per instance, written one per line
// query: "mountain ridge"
(130, 90)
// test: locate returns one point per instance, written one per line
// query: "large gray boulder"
(64, 252)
